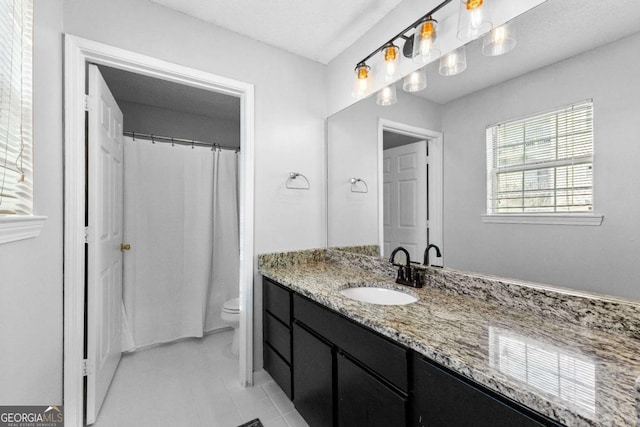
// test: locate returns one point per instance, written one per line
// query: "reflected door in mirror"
(405, 198)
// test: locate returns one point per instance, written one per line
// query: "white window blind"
(542, 163)
(16, 32)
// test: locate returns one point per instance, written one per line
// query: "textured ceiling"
(131, 87)
(551, 32)
(318, 30)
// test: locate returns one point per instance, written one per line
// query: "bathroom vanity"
(458, 356)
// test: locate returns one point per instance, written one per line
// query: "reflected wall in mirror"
(567, 51)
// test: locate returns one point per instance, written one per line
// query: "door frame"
(77, 53)
(435, 182)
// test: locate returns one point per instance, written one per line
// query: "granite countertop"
(573, 374)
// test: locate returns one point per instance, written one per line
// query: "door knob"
(125, 246)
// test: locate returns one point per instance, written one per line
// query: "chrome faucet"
(426, 253)
(405, 274)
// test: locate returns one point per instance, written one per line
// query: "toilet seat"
(232, 306)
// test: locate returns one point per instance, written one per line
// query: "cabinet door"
(312, 378)
(443, 400)
(364, 401)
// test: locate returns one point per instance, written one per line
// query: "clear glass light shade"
(391, 55)
(473, 19)
(415, 81)
(500, 40)
(387, 96)
(362, 83)
(424, 42)
(453, 62)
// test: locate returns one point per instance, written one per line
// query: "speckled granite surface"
(543, 348)
(369, 250)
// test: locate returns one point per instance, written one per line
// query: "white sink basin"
(380, 296)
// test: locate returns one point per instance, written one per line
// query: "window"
(15, 107)
(542, 164)
(16, 203)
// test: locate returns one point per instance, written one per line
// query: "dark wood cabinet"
(443, 399)
(313, 377)
(276, 332)
(340, 373)
(378, 353)
(364, 400)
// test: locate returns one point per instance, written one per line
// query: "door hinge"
(87, 367)
(86, 102)
(86, 234)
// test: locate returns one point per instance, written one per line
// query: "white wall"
(353, 152)
(602, 259)
(290, 112)
(161, 121)
(290, 109)
(31, 270)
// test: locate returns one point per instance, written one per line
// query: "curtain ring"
(153, 141)
(172, 143)
(133, 135)
(193, 143)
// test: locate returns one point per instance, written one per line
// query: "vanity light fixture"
(500, 40)
(453, 62)
(424, 41)
(416, 81)
(362, 83)
(391, 53)
(473, 19)
(387, 96)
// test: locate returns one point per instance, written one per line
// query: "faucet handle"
(419, 278)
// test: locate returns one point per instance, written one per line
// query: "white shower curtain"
(181, 220)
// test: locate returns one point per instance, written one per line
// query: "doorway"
(405, 195)
(410, 182)
(78, 54)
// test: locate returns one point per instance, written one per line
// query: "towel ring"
(292, 177)
(354, 185)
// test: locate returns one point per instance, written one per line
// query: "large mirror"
(567, 51)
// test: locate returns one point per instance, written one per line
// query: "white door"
(104, 257)
(405, 199)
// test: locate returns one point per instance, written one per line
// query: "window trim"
(20, 227)
(544, 219)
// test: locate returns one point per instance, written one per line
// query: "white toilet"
(231, 315)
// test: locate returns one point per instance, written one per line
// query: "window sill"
(546, 219)
(20, 227)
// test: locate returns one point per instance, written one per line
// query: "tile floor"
(192, 383)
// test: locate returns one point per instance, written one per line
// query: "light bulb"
(500, 40)
(424, 42)
(361, 85)
(387, 96)
(415, 81)
(391, 59)
(453, 62)
(473, 20)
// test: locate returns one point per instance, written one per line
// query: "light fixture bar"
(402, 33)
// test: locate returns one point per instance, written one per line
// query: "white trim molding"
(78, 52)
(544, 219)
(20, 227)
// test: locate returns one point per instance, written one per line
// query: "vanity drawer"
(277, 301)
(278, 335)
(374, 351)
(279, 370)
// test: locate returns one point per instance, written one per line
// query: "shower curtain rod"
(179, 141)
